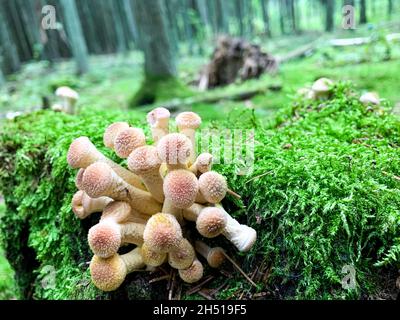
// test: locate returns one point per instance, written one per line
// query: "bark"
(329, 19)
(265, 13)
(130, 20)
(390, 8)
(8, 49)
(363, 12)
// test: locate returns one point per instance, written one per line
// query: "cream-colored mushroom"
(187, 123)
(215, 256)
(83, 205)
(158, 120)
(68, 98)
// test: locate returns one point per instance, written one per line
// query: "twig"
(259, 176)
(172, 285)
(213, 292)
(233, 193)
(199, 286)
(205, 295)
(393, 176)
(240, 270)
(159, 278)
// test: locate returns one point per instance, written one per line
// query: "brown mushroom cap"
(143, 159)
(162, 233)
(213, 186)
(107, 274)
(183, 256)
(181, 187)
(105, 239)
(80, 152)
(211, 222)
(192, 274)
(152, 258)
(97, 179)
(216, 257)
(128, 140)
(174, 148)
(188, 120)
(112, 131)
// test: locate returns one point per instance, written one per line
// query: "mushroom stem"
(133, 260)
(192, 212)
(158, 120)
(214, 256)
(183, 256)
(82, 153)
(168, 207)
(100, 180)
(83, 205)
(79, 178)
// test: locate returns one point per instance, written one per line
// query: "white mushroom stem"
(100, 180)
(133, 260)
(83, 205)
(158, 120)
(82, 153)
(168, 207)
(192, 212)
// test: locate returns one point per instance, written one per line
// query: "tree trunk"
(222, 16)
(74, 30)
(8, 49)
(130, 20)
(265, 13)
(363, 12)
(239, 16)
(390, 8)
(282, 16)
(2, 79)
(154, 39)
(330, 9)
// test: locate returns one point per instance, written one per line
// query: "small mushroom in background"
(111, 133)
(215, 256)
(68, 99)
(158, 120)
(370, 98)
(322, 88)
(187, 123)
(306, 93)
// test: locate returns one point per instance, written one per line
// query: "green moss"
(327, 201)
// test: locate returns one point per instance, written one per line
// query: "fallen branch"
(360, 40)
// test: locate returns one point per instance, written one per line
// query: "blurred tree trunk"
(249, 14)
(154, 38)
(349, 2)
(363, 12)
(292, 13)
(222, 16)
(282, 16)
(89, 25)
(32, 25)
(390, 8)
(239, 16)
(16, 27)
(187, 25)
(112, 8)
(8, 50)
(265, 13)
(74, 30)
(171, 24)
(329, 19)
(2, 79)
(130, 20)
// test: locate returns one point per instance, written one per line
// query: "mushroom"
(187, 123)
(68, 98)
(210, 221)
(183, 256)
(78, 178)
(100, 180)
(307, 93)
(202, 164)
(163, 233)
(370, 98)
(128, 140)
(106, 237)
(215, 256)
(83, 205)
(108, 273)
(192, 274)
(145, 163)
(174, 149)
(82, 153)
(158, 120)
(152, 258)
(111, 133)
(213, 186)
(322, 88)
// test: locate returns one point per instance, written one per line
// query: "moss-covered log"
(323, 194)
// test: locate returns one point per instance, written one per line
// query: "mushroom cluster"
(150, 203)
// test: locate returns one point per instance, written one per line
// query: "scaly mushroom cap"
(67, 92)
(107, 274)
(80, 152)
(152, 258)
(322, 85)
(119, 211)
(216, 257)
(188, 120)
(157, 115)
(211, 222)
(181, 187)
(183, 256)
(104, 239)
(213, 186)
(128, 140)
(97, 179)
(79, 179)
(192, 274)
(204, 162)
(174, 148)
(143, 159)
(162, 233)
(112, 131)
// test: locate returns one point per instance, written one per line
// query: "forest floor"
(112, 82)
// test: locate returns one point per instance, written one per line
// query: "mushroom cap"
(370, 98)
(107, 274)
(183, 256)
(79, 178)
(105, 239)
(80, 153)
(144, 159)
(204, 162)
(211, 222)
(119, 211)
(188, 120)
(181, 187)
(213, 186)
(97, 179)
(156, 115)
(174, 148)
(112, 131)
(152, 258)
(128, 140)
(322, 85)
(216, 257)
(192, 274)
(67, 92)
(162, 233)
(76, 204)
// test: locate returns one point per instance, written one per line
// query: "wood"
(360, 41)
